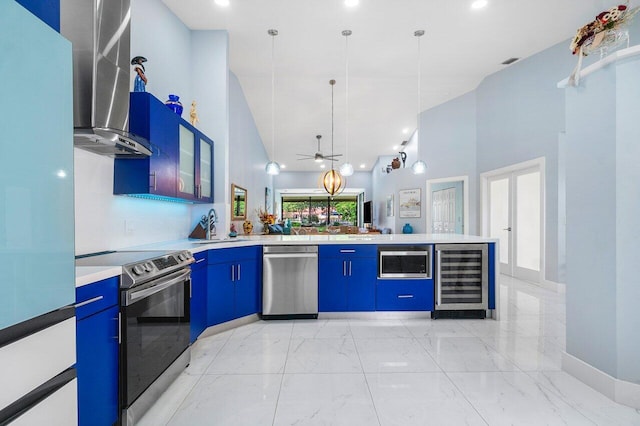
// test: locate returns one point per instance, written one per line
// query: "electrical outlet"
(129, 227)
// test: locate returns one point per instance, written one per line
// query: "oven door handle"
(171, 280)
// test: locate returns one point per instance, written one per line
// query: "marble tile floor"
(391, 372)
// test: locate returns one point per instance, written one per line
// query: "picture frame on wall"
(410, 203)
(268, 200)
(390, 205)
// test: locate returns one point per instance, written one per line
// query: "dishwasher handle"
(290, 255)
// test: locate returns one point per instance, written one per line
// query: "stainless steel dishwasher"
(290, 282)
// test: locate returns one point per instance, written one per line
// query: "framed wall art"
(410, 203)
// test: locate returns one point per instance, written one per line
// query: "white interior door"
(444, 211)
(515, 217)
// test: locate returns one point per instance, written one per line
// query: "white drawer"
(59, 409)
(35, 359)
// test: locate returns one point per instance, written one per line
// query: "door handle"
(507, 229)
(349, 268)
(233, 273)
(154, 181)
(344, 268)
(238, 272)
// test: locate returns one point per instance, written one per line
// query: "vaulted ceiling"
(460, 47)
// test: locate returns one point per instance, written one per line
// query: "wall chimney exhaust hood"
(100, 33)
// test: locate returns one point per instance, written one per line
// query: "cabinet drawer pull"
(405, 296)
(86, 302)
(200, 261)
(347, 251)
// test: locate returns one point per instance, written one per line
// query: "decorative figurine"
(141, 80)
(193, 114)
(247, 227)
(233, 233)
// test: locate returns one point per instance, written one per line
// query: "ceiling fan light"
(419, 167)
(333, 182)
(346, 169)
(318, 159)
(272, 168)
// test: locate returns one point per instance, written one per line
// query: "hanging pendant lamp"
(419, 167)
(272, 167)
(332, 180)
(347, 168)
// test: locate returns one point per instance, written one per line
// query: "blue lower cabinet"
(97, 368)
(404, 295)
(346, 284)
(97, 352)
(220, 293)
(247, 289)
(234, 283)
(198, 296)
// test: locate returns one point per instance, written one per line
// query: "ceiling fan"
(318, 157)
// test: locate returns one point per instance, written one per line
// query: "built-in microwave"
(404, 261)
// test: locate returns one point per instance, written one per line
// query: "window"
(321, 210)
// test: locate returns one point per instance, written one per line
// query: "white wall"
(104, 221)
(247, 155)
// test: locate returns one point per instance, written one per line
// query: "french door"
(515, 217)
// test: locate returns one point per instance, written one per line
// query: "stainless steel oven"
(404, 261)
(155, 293)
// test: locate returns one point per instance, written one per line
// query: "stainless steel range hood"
(100, 33)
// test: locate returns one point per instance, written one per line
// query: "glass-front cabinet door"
(187, 164)
(205, 191)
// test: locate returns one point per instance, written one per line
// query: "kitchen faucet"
(212, 218)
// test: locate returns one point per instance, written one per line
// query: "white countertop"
(89, 274)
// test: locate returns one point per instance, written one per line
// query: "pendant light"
(273, 168)
(419, 166)
(347, 168)
(332, 180)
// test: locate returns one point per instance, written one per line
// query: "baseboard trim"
(376, 315)
(229, 325)
(554, 286)
(620, 391)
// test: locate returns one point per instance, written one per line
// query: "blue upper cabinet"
(181, 164)
(36, 163)
(47, 10)
(195, 165)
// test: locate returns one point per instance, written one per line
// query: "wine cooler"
(461, 281)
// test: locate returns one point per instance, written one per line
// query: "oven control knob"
(138, 269)
(148, 266)
(182, 257)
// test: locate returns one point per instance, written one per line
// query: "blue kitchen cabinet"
(195, 164)
(234, 284)
(347, 278)
(157, 174)
(181, 163)
(97, 351)
(47, 10)
(404, 295)
(198, 295)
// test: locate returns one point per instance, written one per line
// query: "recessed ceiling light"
(322, 166)
(223, 3)
(283, 166)
(405, 131)
(479, 4)
(362, 166)
(351, 3)
(395, 147)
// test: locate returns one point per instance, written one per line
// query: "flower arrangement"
(592, 35)
(266, 217)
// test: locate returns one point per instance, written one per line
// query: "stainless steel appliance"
(404, 261)
(100, 33)
(290, 282)
(155, 292)
(461, 280)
